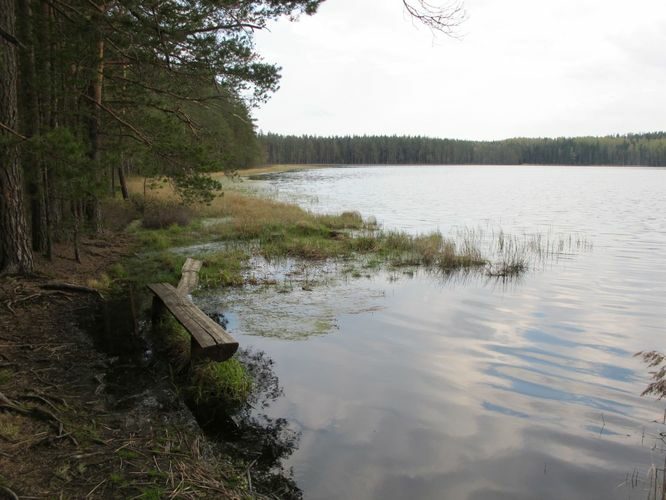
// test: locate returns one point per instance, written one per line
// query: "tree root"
(71, 287)
(9, 493)
(40, 414)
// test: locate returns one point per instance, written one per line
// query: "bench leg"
(157, 311)
(196, 352)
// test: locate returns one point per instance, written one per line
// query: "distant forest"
(633, 149)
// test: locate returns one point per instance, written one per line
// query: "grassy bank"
(242, 224)
(276, 169)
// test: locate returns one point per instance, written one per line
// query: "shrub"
(118, 213)
(160, 215)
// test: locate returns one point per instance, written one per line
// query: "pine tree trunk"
(96, 86)
(29, 123)
(15, 253)
(113, 182)
(123, 183)
(47, 213)
(77, 222)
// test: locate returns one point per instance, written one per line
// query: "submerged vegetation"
(656, 361)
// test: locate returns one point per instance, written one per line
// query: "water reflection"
(250, 434)
(456, 386)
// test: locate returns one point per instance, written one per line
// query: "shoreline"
(126, 260)
(81, 415)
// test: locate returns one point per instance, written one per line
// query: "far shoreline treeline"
(648, 149)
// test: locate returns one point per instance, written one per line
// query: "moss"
(117, 271)
(6, 376)
(175, 341)
(126, 454)
(116, 478)
(10, 426)
(226, 384)
(153, 493)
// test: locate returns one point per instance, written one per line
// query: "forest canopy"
(633, 149)
(92, 90)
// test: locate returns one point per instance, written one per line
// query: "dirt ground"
(68, 427)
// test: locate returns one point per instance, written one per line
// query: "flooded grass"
(244, 225)
(223, 268)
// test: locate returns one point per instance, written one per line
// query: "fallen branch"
(71, 287)
(9, 492)
(41, 399)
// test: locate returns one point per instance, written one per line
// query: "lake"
(401, 383)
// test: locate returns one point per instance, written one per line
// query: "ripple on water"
(458, 386)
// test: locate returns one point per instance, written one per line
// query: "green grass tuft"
(223, 268)
(225, 384)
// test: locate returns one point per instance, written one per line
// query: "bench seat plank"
(210, 340)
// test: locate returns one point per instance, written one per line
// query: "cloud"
(523, 68)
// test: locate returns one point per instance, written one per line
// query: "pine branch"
(125, 123)
(10, 38)
(13, 132)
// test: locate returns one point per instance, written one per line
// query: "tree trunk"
(29, 123)
(123, 183)
(47, 213)
(96, 86)
(77, 221)
(113, 181)
(15, 253)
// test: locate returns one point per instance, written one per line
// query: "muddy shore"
(80, 415)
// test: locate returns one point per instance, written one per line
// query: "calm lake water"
(407, 384)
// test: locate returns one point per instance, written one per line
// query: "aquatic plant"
(657, 360)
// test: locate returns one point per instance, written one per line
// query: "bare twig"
(93, 490)
(443, 19)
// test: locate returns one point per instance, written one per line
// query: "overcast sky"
(523, 68)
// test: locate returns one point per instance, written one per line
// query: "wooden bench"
(209, 339)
